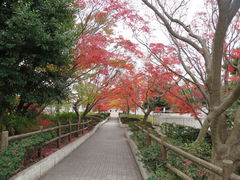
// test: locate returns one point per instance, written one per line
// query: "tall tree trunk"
(216, 161)
(75, 108)
(128, 110)
(220, 149)
(86, 111)
(203, 132)
(146, 114)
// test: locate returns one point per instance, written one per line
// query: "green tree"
(36, 39)
(151, 104)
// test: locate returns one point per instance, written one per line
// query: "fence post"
(70, 130)
(148, 140)
(77, 129)
(227, 169)
(89, 124)
(153, 119)
(137, 128)
(40, 149)
(83, 126)
(4, 140)
(163, 148)
(59, 135)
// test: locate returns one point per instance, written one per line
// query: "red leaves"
(166, 54)
(231, 68)
(157, 47)
(92, 49)
(233, 78)
(44, 122)
(102, 106)
(101, 17)
(129, 46)
(158, 109)
(80, 3)
(235, 53)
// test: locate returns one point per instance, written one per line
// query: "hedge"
(12, 159)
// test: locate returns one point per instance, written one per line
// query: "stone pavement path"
(104, 156)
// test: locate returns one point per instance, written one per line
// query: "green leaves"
(12, 158)
(36, 39)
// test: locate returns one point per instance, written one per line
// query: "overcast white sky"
(156, 35)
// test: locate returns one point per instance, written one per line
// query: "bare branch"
(170, 29)
(190, 73)
(228, 101)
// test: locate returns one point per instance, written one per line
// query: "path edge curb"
(37, 170)
(145, 174)
(121, 124)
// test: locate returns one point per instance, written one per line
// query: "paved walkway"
(104, 156)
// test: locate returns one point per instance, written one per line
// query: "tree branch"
(170, 29)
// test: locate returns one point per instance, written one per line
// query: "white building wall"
(176, 118)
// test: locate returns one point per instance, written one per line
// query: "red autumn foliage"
(44, 122)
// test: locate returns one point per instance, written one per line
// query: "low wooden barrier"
(226, 172)
(80, 127)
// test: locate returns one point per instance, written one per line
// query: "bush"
(151, 158)
(163, 173)
(185, 136)
(104, 114)
(130, 118)
(192, 170)
(16, 124)
(49, 117)
(65, 117)
(12, 159)
(182, 133)
(95, 119)
(202, 150)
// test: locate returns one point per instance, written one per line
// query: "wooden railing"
(226, 172)
(80, 127)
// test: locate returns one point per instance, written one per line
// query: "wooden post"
(59, 135)
(4, 140)
(227, 169)
(148, 140)
(41, 128)
(89, 124)
(40, 149)
(137, 129)
(163, 148)
(83, 127)
(77, 129)
(70, 131)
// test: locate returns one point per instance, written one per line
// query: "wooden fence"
(226, 172)
(80, 127)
